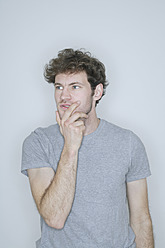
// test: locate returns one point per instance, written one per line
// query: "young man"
(87, 176)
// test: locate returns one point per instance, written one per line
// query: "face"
(70, 88)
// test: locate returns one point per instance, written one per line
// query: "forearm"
(58, 198)
(144, 233)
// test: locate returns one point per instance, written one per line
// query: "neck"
(91, 124)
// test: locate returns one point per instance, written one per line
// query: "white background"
(128, 36)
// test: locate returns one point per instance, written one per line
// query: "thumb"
(58, 118)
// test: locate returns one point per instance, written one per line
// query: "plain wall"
(128, 37)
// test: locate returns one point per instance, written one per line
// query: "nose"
(65, 94)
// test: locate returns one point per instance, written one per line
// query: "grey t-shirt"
(108, 159)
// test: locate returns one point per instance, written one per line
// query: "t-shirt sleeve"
(139, 165)
(35, 152)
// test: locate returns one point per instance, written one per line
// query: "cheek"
(56, 96)
(86, 102)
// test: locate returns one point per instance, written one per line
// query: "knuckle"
(76, 114)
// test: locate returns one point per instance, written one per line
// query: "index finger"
(70, 110)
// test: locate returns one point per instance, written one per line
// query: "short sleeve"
(139, 165)
(35, 151)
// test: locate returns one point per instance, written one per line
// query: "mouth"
(64, 106)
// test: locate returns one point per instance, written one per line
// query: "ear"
(98, 92)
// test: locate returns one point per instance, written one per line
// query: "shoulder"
(42, 135)
(121, 134)
(112, 129)
(45, 131)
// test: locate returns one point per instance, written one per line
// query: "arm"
(140, 219)
(54, 193)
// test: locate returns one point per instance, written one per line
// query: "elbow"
(148, 223)
(51, 219)
(144, 221)
(54, 223)
(54, 220)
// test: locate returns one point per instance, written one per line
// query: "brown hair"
(73, 61)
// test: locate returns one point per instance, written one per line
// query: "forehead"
(67, 78)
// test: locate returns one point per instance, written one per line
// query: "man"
(87, 176)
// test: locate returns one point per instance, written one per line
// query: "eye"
(58, 87)
(76, 87)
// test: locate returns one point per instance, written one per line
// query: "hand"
(72, 127)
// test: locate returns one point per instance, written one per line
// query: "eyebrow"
(70, 83)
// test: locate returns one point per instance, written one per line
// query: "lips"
(64, 106)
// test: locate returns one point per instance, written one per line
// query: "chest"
(101, 174)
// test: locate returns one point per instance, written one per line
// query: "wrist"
(70, 152)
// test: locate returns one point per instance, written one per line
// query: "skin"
(53, 192)
(140, 219)
(71, 88)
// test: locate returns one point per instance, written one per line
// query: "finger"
(70, 110)
(76, 116)
(78, 123)
(58, 118)
(79, 126)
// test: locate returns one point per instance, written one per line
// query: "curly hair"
(74, 61)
